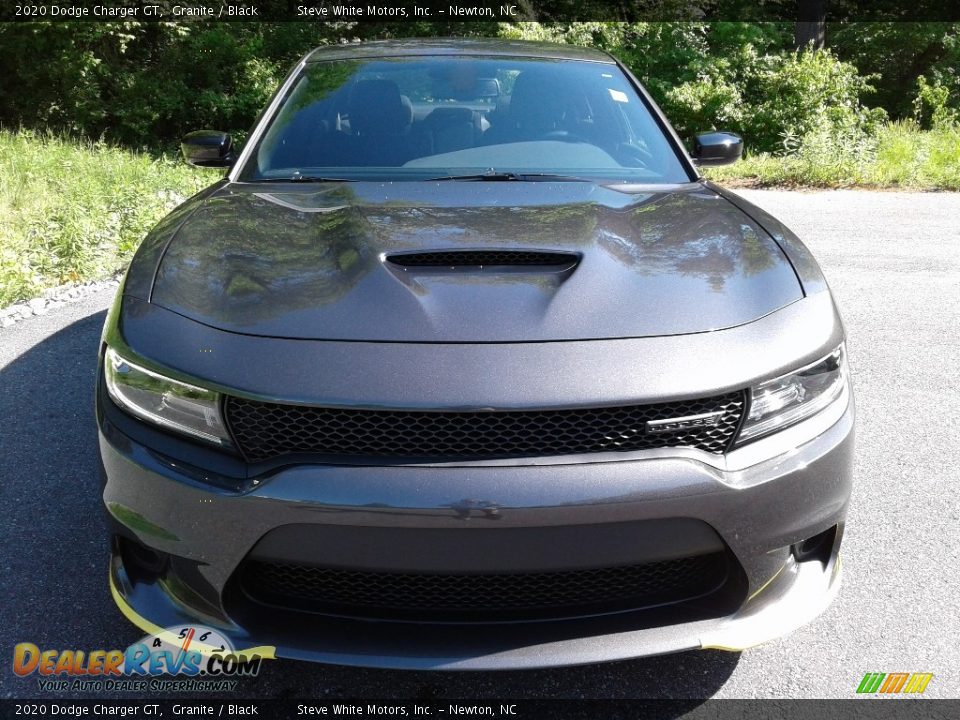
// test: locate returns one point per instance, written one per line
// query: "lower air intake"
(479, 597)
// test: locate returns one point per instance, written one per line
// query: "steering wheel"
(563, 136)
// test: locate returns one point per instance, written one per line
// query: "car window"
(417, 118)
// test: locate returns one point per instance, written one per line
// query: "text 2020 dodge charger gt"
(463, 365)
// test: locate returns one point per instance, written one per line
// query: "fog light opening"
(139, 559)
(819, 547)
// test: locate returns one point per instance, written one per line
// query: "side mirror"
(717, 148)
(208, 148)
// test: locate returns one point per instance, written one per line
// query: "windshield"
(442, 117)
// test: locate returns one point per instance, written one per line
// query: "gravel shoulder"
(54, 299)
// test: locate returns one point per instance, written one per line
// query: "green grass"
(899, 155)
(75, 211)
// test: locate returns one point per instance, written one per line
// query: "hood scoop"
(478, 259)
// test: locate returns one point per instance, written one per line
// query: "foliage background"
(143, 85)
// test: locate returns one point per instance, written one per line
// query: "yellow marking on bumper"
(767, 583)
(730, 648)
(267, 652)
(746, 646)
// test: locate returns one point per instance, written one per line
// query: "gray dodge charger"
(463, 365)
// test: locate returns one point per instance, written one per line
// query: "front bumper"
(757, 509)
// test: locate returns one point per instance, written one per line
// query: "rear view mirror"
(488, 87)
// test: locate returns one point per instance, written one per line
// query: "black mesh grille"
(482, 596)
(266, 430)
(453, 258)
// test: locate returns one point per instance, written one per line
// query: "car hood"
(312, 262)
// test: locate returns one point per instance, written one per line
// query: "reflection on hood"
(309, 264)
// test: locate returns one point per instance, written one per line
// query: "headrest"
(537, 101)
(376, 107)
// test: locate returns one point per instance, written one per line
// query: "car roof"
(457, 46)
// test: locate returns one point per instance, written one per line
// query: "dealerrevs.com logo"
(200, 658)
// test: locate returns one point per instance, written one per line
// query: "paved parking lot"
(893, 260)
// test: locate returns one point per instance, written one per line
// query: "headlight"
(152, 397)
(788, 399)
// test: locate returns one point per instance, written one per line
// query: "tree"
(811, 26)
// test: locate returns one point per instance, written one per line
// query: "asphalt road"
(892, 260)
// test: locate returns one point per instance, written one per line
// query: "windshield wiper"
(495, 176)
(297, 177)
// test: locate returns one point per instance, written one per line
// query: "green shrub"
(790, 97)
(708, 103)
(931, 105)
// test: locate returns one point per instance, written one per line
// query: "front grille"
(266, 430)
(481, 258)
(500, 596)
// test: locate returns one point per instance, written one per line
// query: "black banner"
(863, 709)
(477, 10)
